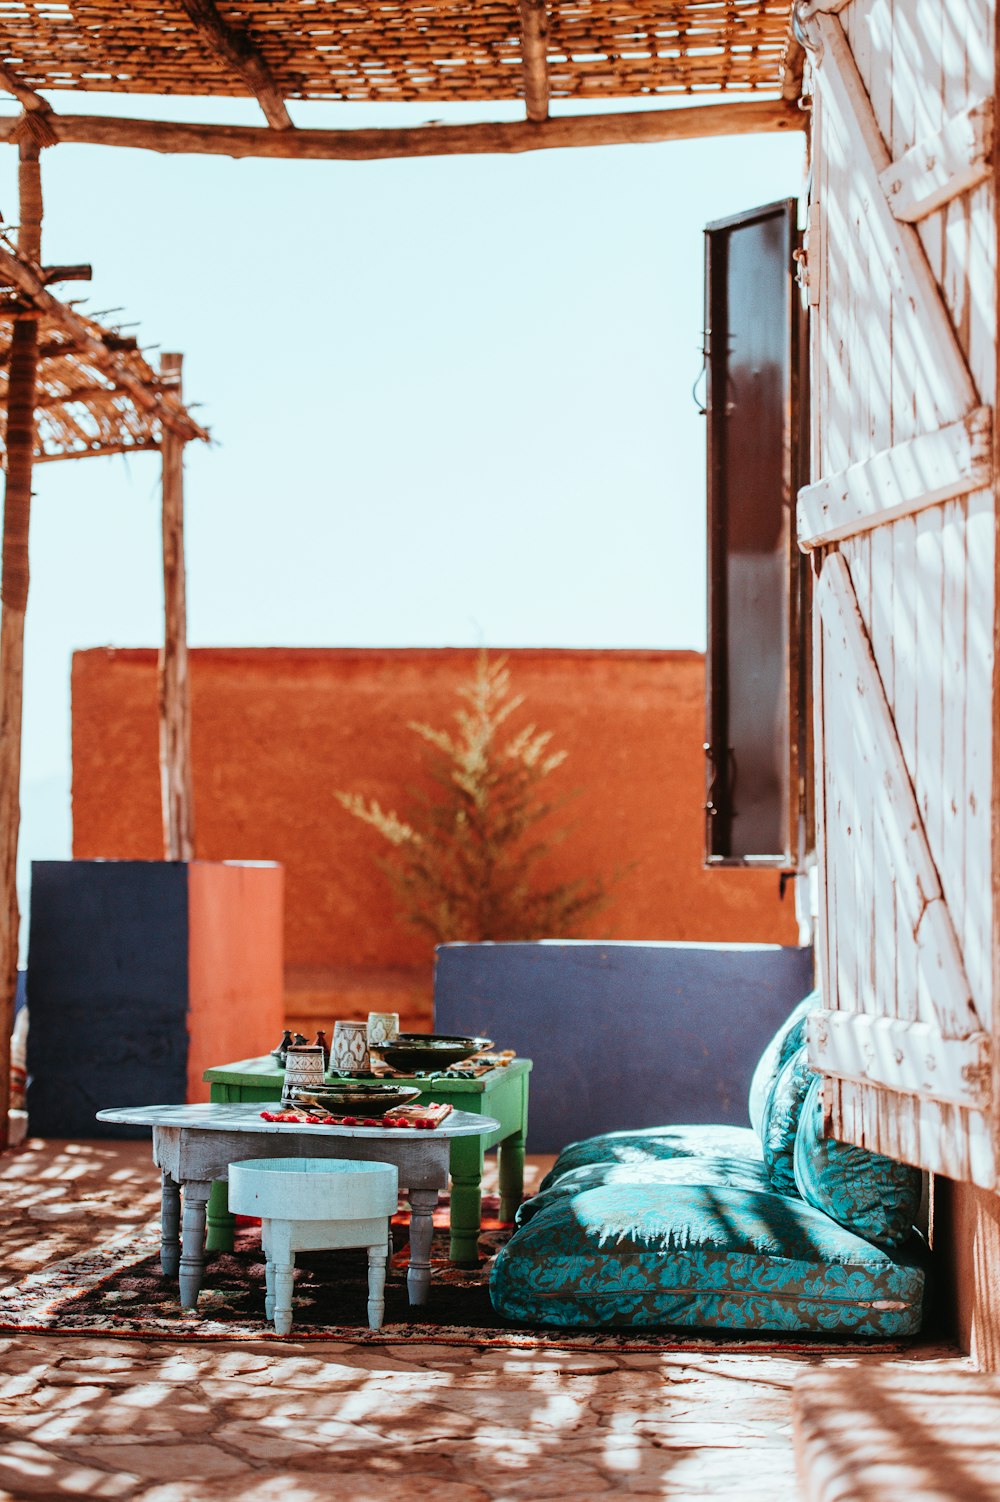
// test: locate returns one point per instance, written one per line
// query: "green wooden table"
(502, 1093)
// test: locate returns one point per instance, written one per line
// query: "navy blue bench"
(623, 1035)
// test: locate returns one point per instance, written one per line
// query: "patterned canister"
(303, 1070)
(350, 1048)
(382, 1027)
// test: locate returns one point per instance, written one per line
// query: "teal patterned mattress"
(768, 1227)
(707, 1255)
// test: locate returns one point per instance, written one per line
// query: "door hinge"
(809, 257)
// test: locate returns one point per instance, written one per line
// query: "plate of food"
(353, 1098)
(418, 1053)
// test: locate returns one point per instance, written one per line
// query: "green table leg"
(219, 1223)
(511, 1174)
(466, 1199)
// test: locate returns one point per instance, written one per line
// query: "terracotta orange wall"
(277, 731)
(236, 986)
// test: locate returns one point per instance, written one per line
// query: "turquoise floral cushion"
(737, 1173)
(780, 1121)
(656, 1144)
(698, 1255)
(872, 1196)
(787, 1040)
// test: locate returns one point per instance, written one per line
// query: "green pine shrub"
(462, 858)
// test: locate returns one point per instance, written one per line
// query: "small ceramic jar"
(303, 1070)
(382, 1027)
(350, 1048)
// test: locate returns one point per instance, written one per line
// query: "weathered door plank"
(876, 748)
(911, 1058)
(899, 481)
(954, 160)
(936, 346)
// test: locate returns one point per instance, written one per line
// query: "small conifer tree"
(462, 861)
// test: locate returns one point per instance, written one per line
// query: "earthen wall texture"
(277, 731)
(966, 1236)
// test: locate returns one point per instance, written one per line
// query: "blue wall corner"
(107, 985)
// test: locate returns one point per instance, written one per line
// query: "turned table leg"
(511, 1174)
(418, 1279)
(466, 1199)
(170, 1226)
(192, 1263)
(377, 1261)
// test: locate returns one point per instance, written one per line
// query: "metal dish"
(412, 1053)
(355, 1099)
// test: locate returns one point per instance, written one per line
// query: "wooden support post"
(535, 60)
(14, 603)
(175, 698)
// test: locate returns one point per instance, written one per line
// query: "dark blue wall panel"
(623, 1035)
(107, 991)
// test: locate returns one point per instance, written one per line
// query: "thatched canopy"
(382, 50)
(95, 391)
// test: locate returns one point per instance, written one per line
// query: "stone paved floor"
(165, 1422)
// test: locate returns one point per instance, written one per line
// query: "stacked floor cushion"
(704, 1226)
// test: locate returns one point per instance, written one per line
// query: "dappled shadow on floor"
(168, 1424)
(57, 1198)
(899, 1432)
(165, 1422)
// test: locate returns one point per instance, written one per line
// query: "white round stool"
(312, 1205)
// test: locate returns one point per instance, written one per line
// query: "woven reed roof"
(430, 50)
(93, 397)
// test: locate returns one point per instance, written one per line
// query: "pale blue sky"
(451, 399)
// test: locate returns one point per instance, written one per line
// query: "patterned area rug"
(117, 1290)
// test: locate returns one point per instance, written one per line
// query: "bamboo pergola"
(95, 392)
(70, 390)
(425, 51)
(382, 50)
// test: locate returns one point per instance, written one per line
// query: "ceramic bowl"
(412, 1052)
(356, 1099)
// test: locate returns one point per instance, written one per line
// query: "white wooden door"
(900, 520)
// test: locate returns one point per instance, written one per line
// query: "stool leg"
(284, 1282)
(376, 1286)
(269, 1286)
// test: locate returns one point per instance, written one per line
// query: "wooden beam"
(75, 394)
(900, 481)
(20, 445)
(954, 160)
(792, 69)
(26, 97)
(80, 273)
(879, 757)
(14, 273)
(246, 59)
(938, 350)
(101, 451)
(640, 127)
(55, 349)
(175, 698)
(535, 58)
(911, 1058)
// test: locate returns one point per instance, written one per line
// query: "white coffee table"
(193, 1147)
